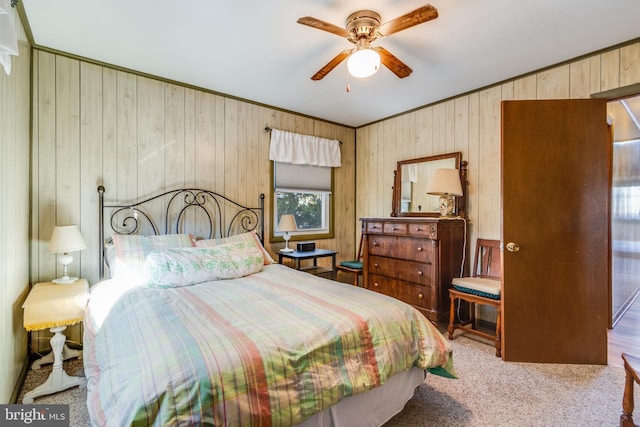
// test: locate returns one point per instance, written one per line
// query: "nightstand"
(312, 255)
(54, 307)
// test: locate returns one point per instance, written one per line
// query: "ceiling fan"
(362, 28)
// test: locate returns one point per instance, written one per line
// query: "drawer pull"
(376, 284)
(420, 273)
(419, 248)
(420, 296)
(376, 265)
(395, 228)
(375, 243)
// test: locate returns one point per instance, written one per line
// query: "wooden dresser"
(414, 260)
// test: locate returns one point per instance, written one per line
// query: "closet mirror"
(411, 180)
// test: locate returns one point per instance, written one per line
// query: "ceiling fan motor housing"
(363, 24)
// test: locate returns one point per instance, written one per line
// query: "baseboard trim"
(21, 378)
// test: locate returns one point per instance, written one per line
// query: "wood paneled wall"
(138, 136)
(14, 214)
(471, 124)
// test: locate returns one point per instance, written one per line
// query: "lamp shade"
(363, 63)
(66, 238)
(287, 223)
(445, 181)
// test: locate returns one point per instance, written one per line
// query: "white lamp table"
(55, 306)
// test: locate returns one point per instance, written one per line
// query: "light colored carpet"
(489, 392)
(493, 393)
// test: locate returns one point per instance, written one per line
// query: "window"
(625, 194)
(305, 192)
(626, 203)
(302, 183)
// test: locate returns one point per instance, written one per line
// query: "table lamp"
(65, 239)
(287, 224)
(446, 184)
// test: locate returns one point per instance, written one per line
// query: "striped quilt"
(269, 349)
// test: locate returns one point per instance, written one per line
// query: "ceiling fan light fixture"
(363, 63)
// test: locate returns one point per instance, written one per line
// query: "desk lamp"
(287, 225)
(446, 184)
(65, 239)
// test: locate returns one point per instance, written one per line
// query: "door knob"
(513, 247)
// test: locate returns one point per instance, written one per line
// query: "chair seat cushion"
(488, 288)
(356, 265)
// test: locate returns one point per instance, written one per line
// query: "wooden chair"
(353, 267)
(483, 287)
(631, 367)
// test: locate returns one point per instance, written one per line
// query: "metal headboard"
(129, 218)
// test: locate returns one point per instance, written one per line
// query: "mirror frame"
(397, 185)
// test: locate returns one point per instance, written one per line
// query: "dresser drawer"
(395, 228)
(408, 248)
(418, 272)
(383, 284)
(375, 227)
(382, 266)
(429, 230)
(413, 294)
(411, 271)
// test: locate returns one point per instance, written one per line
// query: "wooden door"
(555, 206)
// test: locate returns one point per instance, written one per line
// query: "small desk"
(54, 307)
(314, 255)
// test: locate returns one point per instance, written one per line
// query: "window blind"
(302, 178)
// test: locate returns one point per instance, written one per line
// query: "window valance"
(298, 149)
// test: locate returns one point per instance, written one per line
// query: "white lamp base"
(65, 260)
(447, 205)
(286, 238)
(64, 280)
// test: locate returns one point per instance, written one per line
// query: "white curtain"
(8, 37)
(298, 149)
(411, 174)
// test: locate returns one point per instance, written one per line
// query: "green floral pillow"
(177, 267)
(250, 236)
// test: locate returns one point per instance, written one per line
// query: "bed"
(211, 331)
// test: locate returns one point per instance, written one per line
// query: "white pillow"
(178, 267)
(131, 250)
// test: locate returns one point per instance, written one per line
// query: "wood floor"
(625, 336)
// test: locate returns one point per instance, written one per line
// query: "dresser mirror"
(411, 178)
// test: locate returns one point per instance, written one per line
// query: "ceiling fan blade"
(332, 64)
(408, 20)
(396, 66)
(322, 25)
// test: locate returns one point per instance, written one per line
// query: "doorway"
(625, 205)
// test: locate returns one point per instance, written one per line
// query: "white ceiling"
(255, 50)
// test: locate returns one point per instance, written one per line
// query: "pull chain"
(348, 85)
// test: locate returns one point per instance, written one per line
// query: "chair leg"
(498, 334)
(452, 317)
(472, 314)
(626, 419)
